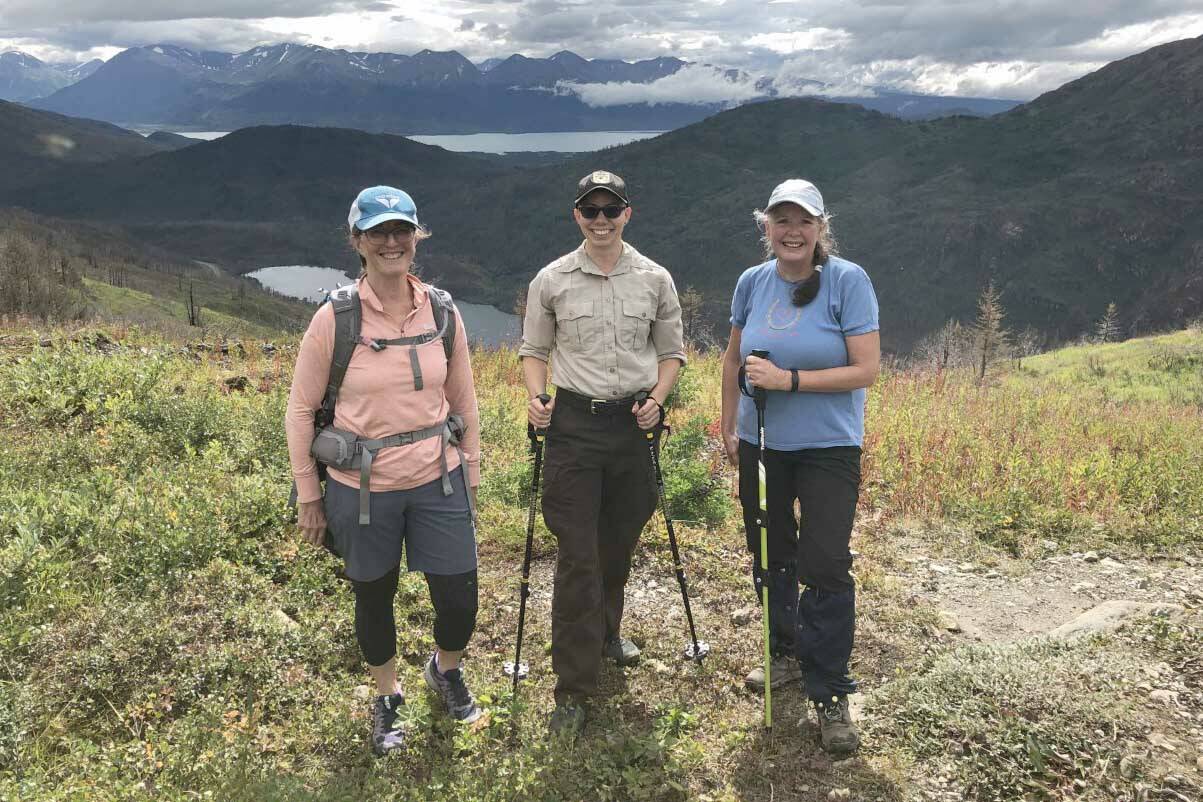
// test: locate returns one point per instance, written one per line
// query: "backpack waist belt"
(347, 451)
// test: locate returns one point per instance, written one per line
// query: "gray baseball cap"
(799, 191)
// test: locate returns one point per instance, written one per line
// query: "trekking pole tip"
(697, 651)
(521, 669)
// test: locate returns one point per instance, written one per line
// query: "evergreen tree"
(990, 335)
(1107, 329)
(691, 315)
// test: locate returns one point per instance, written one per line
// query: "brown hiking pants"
(598, 493)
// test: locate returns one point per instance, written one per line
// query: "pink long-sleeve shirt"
(377, 397)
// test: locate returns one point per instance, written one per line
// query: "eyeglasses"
(379, 235)
(590, 212)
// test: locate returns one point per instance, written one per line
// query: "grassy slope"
(157, 312)
(162, 633)
(123, 281)
(1168, 367)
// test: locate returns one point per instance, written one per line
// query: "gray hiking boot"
(622, 651)
(387, 733)
(838, 733)
(455, 694)
(783, 670)
(567, 720)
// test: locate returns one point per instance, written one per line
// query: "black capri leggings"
(454, 600)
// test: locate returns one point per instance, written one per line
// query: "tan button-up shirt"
(604, 334)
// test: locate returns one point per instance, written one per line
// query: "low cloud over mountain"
(950, 47)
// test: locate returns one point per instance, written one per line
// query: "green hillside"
(1166, 367)
(34, 142)
(164, 633)
(61, 269)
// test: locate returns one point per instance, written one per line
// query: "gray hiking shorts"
(435, 530)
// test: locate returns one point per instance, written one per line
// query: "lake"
(486, 325)
(559, 141)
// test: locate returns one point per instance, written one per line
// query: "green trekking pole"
(759, 396)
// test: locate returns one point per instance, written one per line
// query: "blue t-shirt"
(809, 337)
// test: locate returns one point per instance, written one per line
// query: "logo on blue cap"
(376, 205)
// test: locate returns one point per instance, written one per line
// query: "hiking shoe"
(783, 670)
(455, 694)
(838, 733)
(622, 651)
(567, 720)
(387, 733)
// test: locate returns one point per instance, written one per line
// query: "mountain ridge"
(1066, 206)
(165, 85)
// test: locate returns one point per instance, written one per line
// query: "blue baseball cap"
(376, 205)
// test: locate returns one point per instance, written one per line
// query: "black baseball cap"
(602, 179)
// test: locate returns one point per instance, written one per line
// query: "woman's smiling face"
(388, 249)
(792, 233)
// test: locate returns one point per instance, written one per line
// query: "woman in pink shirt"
(399, 391)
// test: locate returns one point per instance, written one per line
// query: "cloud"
(33, 13)
(230, 36)
(695, 84)
(1003, 48)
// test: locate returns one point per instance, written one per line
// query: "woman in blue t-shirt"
(816, 316)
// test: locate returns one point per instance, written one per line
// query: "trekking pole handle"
(537, 435)
(642, 397)
(758, 392)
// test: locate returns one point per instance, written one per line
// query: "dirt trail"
(1017, 599)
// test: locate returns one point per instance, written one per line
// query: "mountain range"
(1088, 195)
(426, 93)
(23, 77)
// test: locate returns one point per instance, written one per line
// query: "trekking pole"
(759, 397)
(518, 669)
(695, 649)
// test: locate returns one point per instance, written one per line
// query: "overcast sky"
(985, 48)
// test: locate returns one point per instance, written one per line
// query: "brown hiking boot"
(782, 671)
(835, 726)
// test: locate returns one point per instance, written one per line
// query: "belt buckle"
(596, 406)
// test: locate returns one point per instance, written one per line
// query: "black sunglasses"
(589, 211)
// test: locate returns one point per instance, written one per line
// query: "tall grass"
(162, 634)
(1021, 460)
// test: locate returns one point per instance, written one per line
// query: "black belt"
(594, 406)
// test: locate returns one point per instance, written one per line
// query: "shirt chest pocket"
(577, 325)
(635, 324)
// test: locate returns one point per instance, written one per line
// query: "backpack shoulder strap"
(348, 320)
(443, 309)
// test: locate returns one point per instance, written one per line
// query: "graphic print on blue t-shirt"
(794, 313)
(810, 337)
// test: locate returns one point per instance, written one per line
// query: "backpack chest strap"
(413, 343)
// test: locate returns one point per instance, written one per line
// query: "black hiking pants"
(818, 625)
